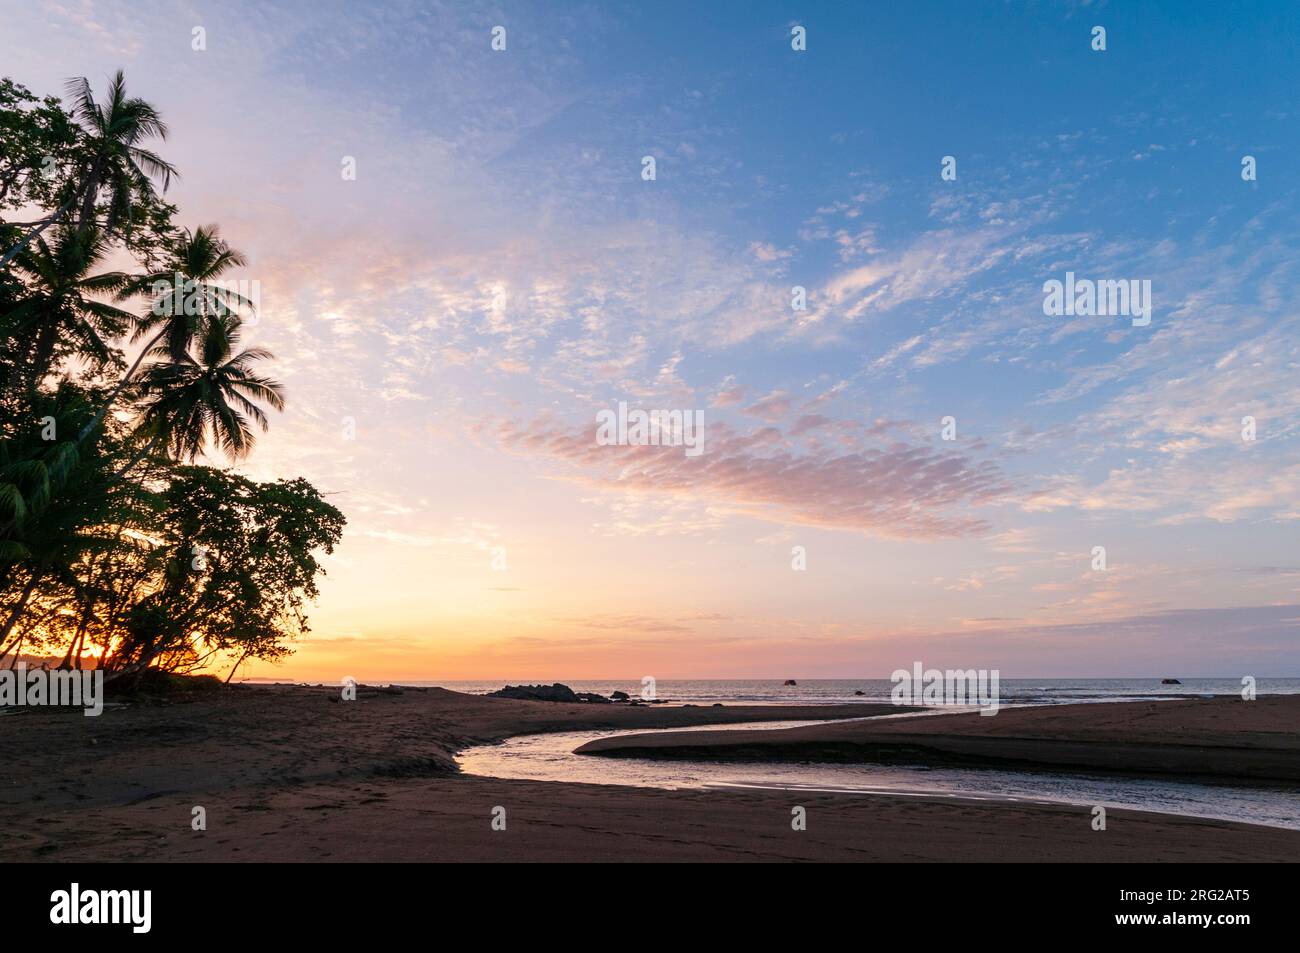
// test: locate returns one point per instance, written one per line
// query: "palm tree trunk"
(65, 664)
(90, 191)
(126, 378)
(40, 227)
(139, 456)
(41, 363)
(74, 643)
(236, 667)
(81, 646)
(86, 192)
(18, 648)
(17, 611)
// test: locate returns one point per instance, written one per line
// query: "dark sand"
(292, 774)
(1220, 738)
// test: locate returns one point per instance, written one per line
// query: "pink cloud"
(728, 395)
(772, 407)
(808, 422)
(896, 490)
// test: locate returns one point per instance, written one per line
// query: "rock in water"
(547, 693)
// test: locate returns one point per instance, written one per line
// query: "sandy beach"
(293, 774)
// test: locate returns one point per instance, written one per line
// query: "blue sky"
(499, 271)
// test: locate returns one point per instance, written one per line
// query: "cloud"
(897, 490)
(728, 394)
(766, 251)
(933, 266)
(771, 407)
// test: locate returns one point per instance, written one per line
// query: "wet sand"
(294, 774)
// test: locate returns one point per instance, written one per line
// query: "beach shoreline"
(294, 773)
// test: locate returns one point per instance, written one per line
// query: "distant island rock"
(791, 681)
(548, 693)
(1170, 681)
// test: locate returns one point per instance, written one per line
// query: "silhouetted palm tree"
(59, 316)
(183, 300)
(208, 396)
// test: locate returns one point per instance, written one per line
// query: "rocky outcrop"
(548, 693)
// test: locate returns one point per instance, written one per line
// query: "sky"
(450, 321)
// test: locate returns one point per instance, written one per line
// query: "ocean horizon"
(774, 691)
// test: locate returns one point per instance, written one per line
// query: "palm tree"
(183, 308)
(45, 502)
(208, 396)
(111, 158)
(30, 477)
(59, 316)
(184, 300)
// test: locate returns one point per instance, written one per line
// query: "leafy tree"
(109, 161)
(238, 565)
(37, 138)
(178, 566)
(51, 499)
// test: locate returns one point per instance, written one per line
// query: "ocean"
(1013, 691)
